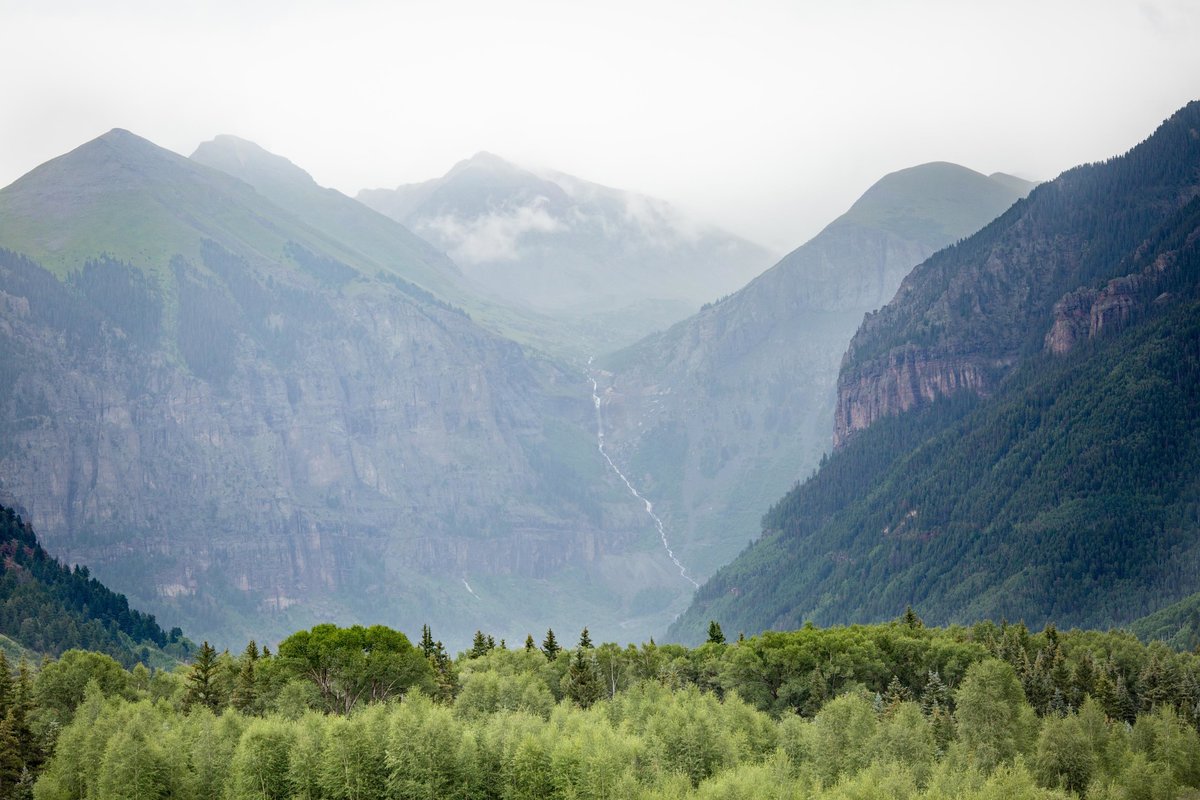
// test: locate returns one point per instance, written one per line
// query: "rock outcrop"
(1015, 287)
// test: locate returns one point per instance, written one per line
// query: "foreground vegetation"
(897, 710)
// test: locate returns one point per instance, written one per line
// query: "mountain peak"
(246, 159)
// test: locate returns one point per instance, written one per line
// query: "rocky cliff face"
(719, 416)
(964, 316)
(1087, 313)
(908, 378)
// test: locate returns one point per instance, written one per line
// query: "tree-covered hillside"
(1065, 490)
(47, 607)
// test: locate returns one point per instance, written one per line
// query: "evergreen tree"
(530, 645)
(896, 694)
(245, 690)
(935, 694)
(715, 634)
(201, 681)
(585, 640)
(911, 620)
(583, 684)
(479, 646)
(427, 646)
(550, 645)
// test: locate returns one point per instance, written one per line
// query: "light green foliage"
(686, 734)
(486, 692)
(905, 737)
(353, 763)
(356, 664)
(259, 770)
(992, 719)
(60, 685)
(135, 763)
(659, 736)
(843, 731)
(422, 749)
(1066, 755)
(1163, 737)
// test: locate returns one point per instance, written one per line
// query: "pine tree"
(479, 646)
(444, 673)
(202, 680)
(427, 641)
(935, 695)
(911, 619)
(896, 694)
(715, 634)
(245, 690)
(550, 645)
(583, 684)
(585, 640)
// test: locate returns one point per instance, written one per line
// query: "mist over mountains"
(572, 249)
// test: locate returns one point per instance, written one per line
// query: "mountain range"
(1016, 429)
(250, 420)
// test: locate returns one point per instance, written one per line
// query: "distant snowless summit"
(565, 246)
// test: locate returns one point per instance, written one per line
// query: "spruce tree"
(585, 640)
(911, 619)
(245, 690)
(202, 680)
(550, 645)
(715, 634)
(479, 646)
(530, 645)
(583, 684)
(427, 647)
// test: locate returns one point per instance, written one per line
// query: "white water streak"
(469, 589)
(658, 523)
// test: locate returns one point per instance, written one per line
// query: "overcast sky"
(769, 118)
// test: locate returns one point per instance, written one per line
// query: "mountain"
(1016, 429)
(720, 415)
(335, 216)
(596, 257)
(47, 608)
(249, 425)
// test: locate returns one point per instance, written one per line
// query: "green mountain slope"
(47, 608)
(1059, 483)
(718, 416)
(1178, 624)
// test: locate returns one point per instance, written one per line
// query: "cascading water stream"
(658, 523)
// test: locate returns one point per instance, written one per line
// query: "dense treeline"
(898, 710)
(49, 608)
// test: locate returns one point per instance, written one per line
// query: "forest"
(897, 709)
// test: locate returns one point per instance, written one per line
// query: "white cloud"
(495, 236)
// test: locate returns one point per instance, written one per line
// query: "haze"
(768, 117)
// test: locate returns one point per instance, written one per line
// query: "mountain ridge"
(1060, 484)
(741, 393)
